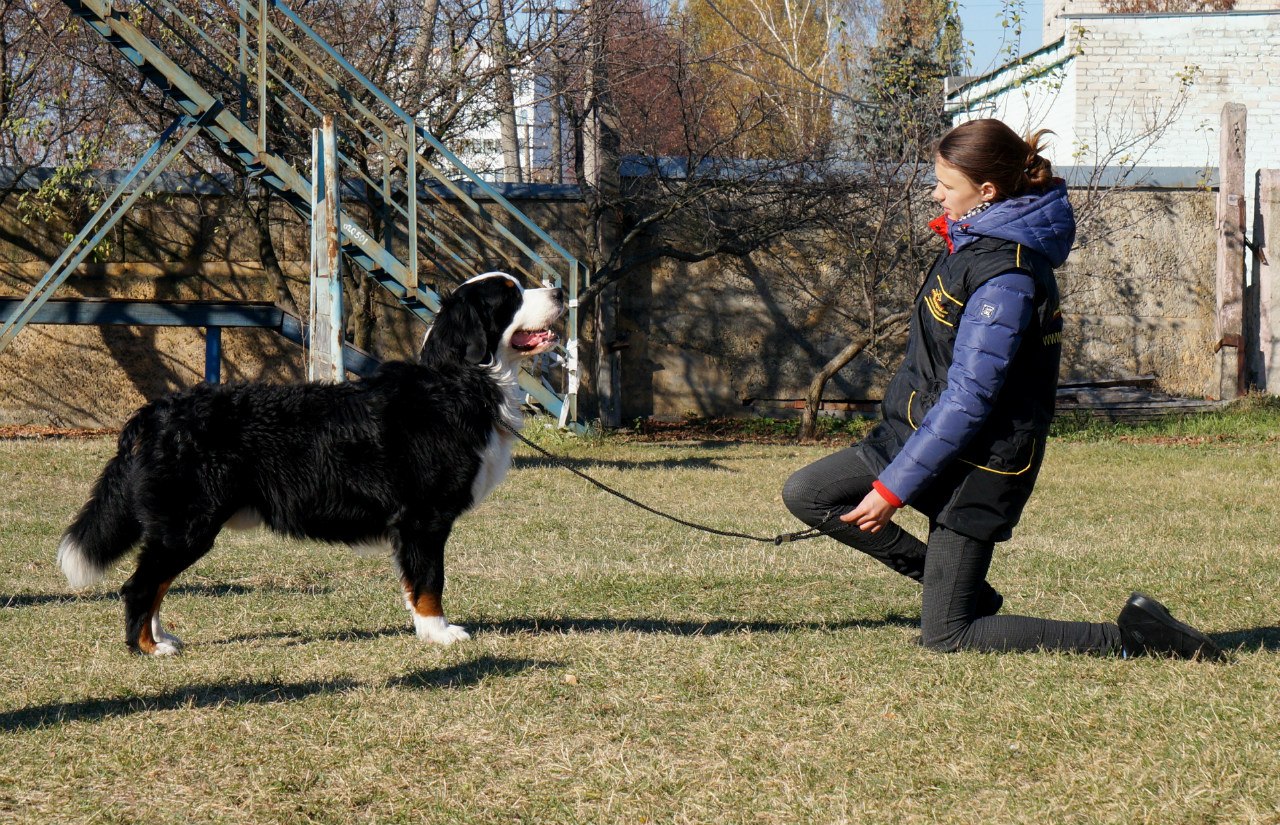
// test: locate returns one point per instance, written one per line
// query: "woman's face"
(955, 192)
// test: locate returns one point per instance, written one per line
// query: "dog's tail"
(107, 526)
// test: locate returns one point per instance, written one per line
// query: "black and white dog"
(390, 460)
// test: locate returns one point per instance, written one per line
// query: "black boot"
(1147, 629)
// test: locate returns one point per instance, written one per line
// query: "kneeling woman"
(966, 416)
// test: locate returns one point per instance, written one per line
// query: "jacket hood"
(1040, 220)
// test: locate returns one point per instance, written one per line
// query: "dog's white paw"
(166, 644)
(437, 630)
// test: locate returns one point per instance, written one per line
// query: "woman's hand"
(872, 514)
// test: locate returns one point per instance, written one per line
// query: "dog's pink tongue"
(528, 340)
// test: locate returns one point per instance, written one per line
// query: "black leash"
(782, 538)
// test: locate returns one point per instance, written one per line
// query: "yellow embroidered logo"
(936, 308)
(934, 301)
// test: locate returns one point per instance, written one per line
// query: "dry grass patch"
(624, 669)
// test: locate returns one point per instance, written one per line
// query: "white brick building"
(1104, 80)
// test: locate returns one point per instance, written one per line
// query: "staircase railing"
(422, 218)
(127, 192)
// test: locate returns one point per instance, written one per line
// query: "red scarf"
(939, 225)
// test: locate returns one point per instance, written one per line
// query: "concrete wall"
(717, 337)
(721, 338)
(1138, 291)
(705, 339)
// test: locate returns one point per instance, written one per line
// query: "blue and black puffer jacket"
(966, 416)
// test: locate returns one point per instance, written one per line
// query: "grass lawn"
(626, 669)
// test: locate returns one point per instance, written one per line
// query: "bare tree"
(53, 115)
(874, 257)
(1115, 141)
(710, 172)
(505, 96)
(694, 187)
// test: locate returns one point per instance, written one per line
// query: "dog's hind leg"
(420, 555)
(145, 590)
(144, 632)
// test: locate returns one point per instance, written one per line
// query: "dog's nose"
(558, 294)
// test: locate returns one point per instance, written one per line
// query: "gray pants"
(958, 605)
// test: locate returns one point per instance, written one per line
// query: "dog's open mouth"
(525, 339)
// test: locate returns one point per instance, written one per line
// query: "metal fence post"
(1232, 374)
(324, 353)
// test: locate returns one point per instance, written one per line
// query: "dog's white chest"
(494, 463)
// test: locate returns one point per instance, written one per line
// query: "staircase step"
(240, 141)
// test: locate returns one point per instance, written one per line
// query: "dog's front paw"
(166, 644)
(436, 629)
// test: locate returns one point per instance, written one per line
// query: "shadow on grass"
(514, 626)
(298, 637)
(19, 600)
(1248, 639)
(521, 462)
(719, 627)
(462, 675)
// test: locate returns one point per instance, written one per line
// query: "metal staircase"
(257, 79)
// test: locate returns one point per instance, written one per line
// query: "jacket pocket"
(1010, 454)
(920, 402)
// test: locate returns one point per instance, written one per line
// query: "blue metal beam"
(100, 311)
(209, 314)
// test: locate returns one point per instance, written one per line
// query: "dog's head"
(491, 319)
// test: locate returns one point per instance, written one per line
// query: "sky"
(981, 20)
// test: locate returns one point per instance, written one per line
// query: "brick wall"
(1127, 70)
(1107, 80)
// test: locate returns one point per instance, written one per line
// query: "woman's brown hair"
(989, 151)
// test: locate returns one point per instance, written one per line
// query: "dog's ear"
(459, 334)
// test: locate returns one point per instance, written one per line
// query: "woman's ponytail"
(987, 150)
(1039, 171)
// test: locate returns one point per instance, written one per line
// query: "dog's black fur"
(393, 459)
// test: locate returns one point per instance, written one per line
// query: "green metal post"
(324, 352)
(388, 225)
(242, 58)
(412, 186)
(262, 76)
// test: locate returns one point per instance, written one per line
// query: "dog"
(392, 460)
